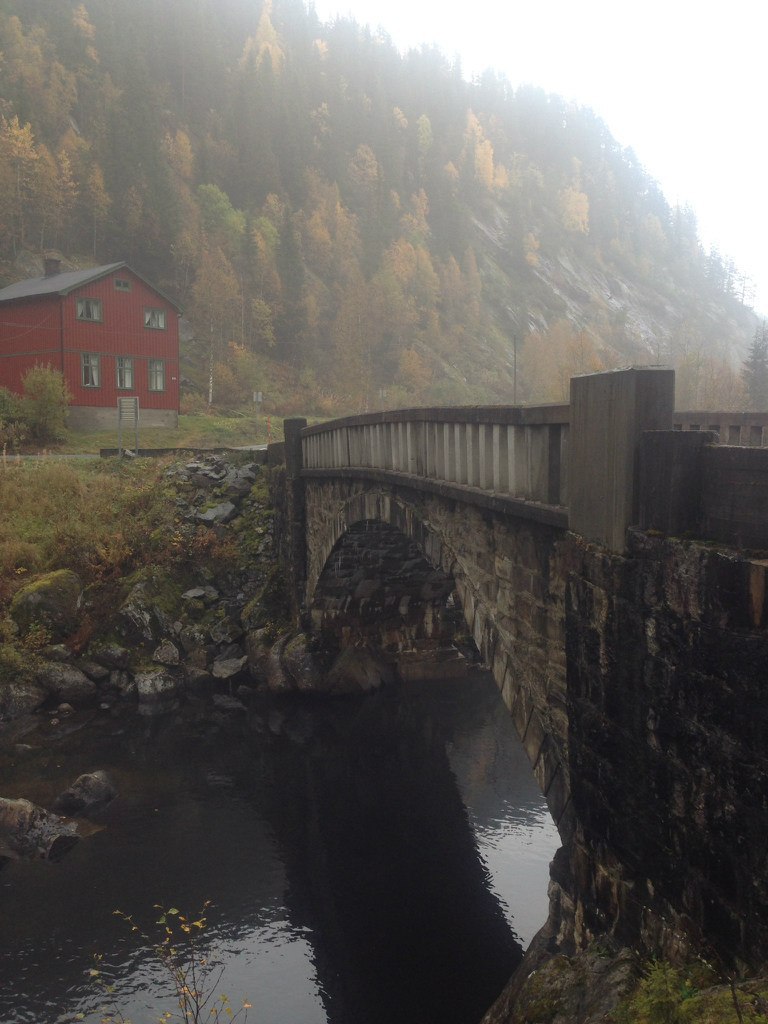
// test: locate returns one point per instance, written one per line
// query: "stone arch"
(334, 506)
(378, 588)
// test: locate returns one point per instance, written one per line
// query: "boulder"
(225, 631)
(237, 485)
(277, 679)
(357, 670)
(110, 655)
(258, 646)
(167, 653)
(56, 652)
(299, 662)
(206, 594)
(65, 682)
(138, 614)
(228, 668)
(20, 697)
(192, 638)
(98, 673)
(155, 687)
(123, 682)
(218, 515)
(87, 794)
(27, 831)
(199, 680)
(150, 608)
(51, 601)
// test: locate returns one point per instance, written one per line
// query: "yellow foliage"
(414, 373)
(484, 164)
(574, 210)
(550, 358)
(500, 178)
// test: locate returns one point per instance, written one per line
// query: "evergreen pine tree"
(755, 370)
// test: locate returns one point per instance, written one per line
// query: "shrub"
(12, 427)
(45, 403)
(192, 404)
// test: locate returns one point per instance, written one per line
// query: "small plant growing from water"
(194, 976)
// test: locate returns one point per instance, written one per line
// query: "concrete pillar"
(431, 440)
(554, 445)
(485, 473)
(402, 448)
(295, 536)
(394, 443)
(519, 482)
(473, 454)
(414, 461)
(537, 445)
(500, 459)
(671, 482)
(448, 452)
(609, 412)
(460, 432)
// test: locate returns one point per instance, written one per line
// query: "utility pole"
(514, 368)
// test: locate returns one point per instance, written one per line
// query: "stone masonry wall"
(668, 664)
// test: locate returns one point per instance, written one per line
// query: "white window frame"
(155, 319)
(89, 309)
(157, 375)
(90, 369)
(124, 373)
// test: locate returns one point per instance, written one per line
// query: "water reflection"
(334, 840)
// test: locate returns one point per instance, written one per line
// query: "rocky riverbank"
(216, 624)
(210, 624)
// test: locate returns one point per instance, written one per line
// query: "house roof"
(65, 282)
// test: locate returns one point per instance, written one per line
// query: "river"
(367, 860)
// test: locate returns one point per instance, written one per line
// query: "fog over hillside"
(346, 226)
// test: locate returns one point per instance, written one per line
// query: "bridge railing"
(520, 452)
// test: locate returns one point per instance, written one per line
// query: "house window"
(156, 375)
(90, 370)
(89, 309)
(124, 372)
(155, 318)
(122, 285)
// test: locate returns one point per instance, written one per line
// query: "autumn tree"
(216, 309)
(19, 155)
(551, 357)
(755, 370)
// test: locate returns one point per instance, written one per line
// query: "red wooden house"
(111, 333)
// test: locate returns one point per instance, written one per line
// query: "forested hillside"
(344, 226)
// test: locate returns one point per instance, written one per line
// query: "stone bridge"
(610, 570)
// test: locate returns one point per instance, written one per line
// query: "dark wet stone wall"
(667, 670)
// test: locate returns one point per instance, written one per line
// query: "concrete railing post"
(609, 412)
(296, 534)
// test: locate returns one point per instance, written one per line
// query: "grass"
(96, 517)
(194, 431)
(669, 995)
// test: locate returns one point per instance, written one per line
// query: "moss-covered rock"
(51, 602)
(586, 987)
(152, 604)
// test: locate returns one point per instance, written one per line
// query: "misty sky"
(683, 83)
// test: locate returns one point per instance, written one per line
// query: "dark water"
(370, 860)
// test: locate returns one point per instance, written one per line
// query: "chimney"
(52, 266)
